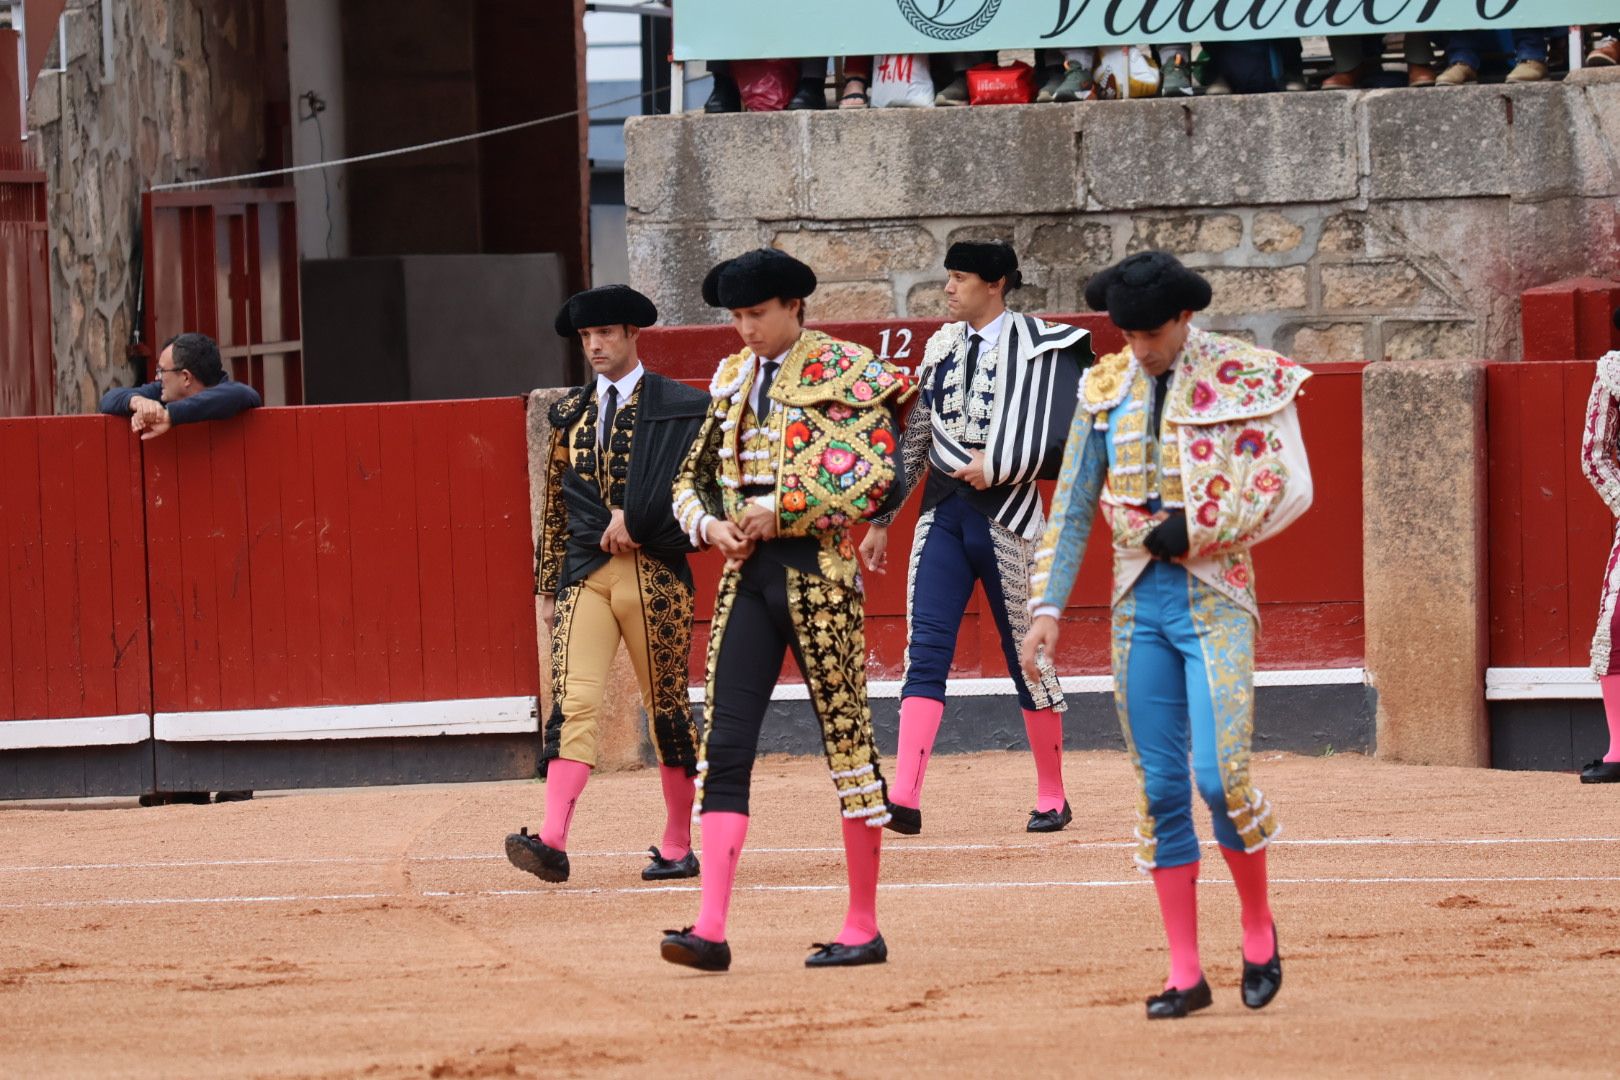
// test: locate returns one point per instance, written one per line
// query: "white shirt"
(626, 385)
(753, 393)
(990, 336)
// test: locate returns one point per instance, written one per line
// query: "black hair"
(198, 354)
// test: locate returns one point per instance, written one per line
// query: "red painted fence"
(339, 555)
(1309, 579)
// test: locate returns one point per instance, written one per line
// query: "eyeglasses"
(169, 370)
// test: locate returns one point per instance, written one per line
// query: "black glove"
(1168, 540)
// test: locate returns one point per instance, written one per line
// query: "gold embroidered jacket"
(828, 454)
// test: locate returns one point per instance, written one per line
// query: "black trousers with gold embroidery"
(764, 609)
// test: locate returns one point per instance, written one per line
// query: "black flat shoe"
(527, 853)
(685, 947)
(1262, 981)
(1049, 820)
(905, 820)
(663, 869)
(811, 94)
(836, 955)
(1173, 1004)
(232, 796)
(1601, 772)
(725, 97)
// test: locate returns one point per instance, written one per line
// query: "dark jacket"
(221, 401)
(668, 418)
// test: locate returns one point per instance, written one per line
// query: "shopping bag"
(1126, 71)
(766, 85)
(992, 85)
(902, 80)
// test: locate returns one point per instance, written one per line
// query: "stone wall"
(1398, 224)
(174, 94)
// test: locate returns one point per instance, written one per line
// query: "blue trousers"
(956, 547)
(1184, 682)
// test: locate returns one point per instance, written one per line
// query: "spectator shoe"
(232, 796)
(905, 820)
(1606, 53)
(686, 948)
(1076, 84)
(1419, 75)
(527, 853)
(1219, 87)
(954, 94)
(1051, 79)
(1346, 80)
(1457, 75)
(811, 94)
(725, 97)
(857, 93)
(1601, 772)
(1173, 1004)
(1049, 820)
(1176, 78)
(663, 869)
(1528, 71)
(1262, 981)
(836, 955)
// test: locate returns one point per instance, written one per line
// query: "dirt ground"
(1434, 922)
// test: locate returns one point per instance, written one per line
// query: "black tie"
(970, 368)
(1161, 391)
(767, 375)
(609, 412)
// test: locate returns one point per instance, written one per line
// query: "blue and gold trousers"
(1184, 688)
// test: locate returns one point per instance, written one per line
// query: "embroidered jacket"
(1229, 453)
(827, 455)
(1018, 412)
(1600, 461)
(651, 434)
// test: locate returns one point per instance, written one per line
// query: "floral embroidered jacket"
(1229, 453)
(1600, 461)
(828, 454)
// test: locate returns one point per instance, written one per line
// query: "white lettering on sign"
(904, 337)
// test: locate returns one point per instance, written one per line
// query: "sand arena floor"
(1434, 922)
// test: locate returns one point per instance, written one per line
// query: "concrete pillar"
(619, 743)
(315, 65)
(1427, 592)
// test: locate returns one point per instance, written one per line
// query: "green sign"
(750, 29)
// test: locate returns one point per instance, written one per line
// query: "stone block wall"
(173, 92)
(1392, 224)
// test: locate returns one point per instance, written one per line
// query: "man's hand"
(1168, 540)
(733, 543)
(548, 611)
(1040, 642)
(616, 538)
(142, 412)
(758, 523)
(973, 471)
(875, 549)
(152, 424)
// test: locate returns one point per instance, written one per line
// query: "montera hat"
(992, 261)
(610, 305)
(1147, 290)
(757, 276)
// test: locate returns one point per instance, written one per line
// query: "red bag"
(992, 85)
(766, 85)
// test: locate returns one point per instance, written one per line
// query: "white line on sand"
(891, 847)
(161, 901)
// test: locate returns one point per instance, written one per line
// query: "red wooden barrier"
(342, 555)
(1550, 533)
(73, 640)
(1309, 578)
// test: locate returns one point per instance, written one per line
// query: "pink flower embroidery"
(1238, 576)
(839, 412)
(1203, 395)
(1219, 486)
(1209, 514)
(838, 460)
(1202, 449)
(1229, 372)
(1267, 482)
(862, 391)
(1251, 442)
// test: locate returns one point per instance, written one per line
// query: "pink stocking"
(1611, 707)
(862, 846)
(565, 780)
(678, 791)
(1045, 730)
(1249, 873)
(919, 725)
(723, 836)
(1177, 887)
